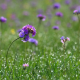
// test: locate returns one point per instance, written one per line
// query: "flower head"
(21, 34)
(32, 40)
(56, 6)
(4, 6)
(29, 29)
(76, 12)
(67, 2)
(25, 65)
(59, 14)
(41, 17)
(63, 40)
(26, 30)
(55, 27)
(26, 38)
(67, 39)
(74, 18)
(3, 19)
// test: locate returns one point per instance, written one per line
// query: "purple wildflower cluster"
(76, 12)
(55, 27)
(56, 6)
(59, 14)
(74, 18)
(63, 40)
(32, 40)
(26, 30)
(25, 65)
(41, 17)
(67, 2)
(3, 19)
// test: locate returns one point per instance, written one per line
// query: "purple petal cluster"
(55, 27)
(25, 31)
(59, 14)
(76, 12)
(41, 17)
(63, 39)
(3, 6)
(25, 65)
(74, 18)
(56, 5)
(32, 40)
(67, 2)
(3, 19)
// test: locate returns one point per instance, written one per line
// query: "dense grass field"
(50, 59)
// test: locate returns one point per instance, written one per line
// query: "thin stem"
(9, 48)
(1, 39)
(39, 24)
(25, 52)
(78, 33)
(1, 31)
(64, 47)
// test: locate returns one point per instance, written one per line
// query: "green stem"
(1, 32)
(1, 40)
(25, 51)
(9, 48)
(78, 33)
(64, 48)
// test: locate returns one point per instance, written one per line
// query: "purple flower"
(63, 40)
(41, 17)
(33, 41)
(26, 38)
(75, 12)
(59, 14)
(68, 39)
(25, 65)
(67, 2)
(74, 18)
(21, 34)
(56, 6)
(26, 30)
(55, 27)
(3, 6)
(78, 8)
(2, 19)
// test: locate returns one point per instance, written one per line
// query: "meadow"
(52, 56)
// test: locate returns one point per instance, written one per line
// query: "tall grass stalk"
(78, 32)
(9, 48)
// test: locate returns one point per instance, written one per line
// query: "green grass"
(47, 61)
